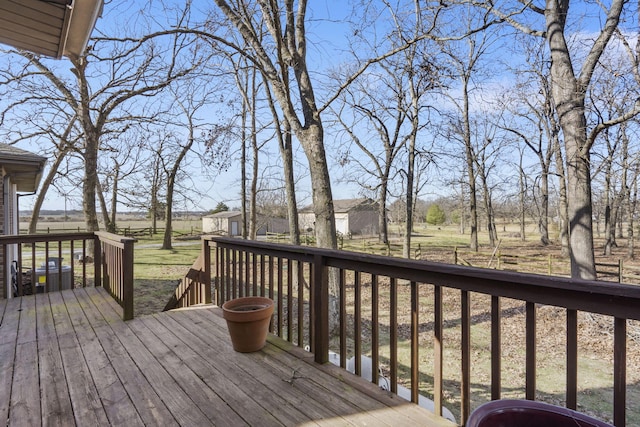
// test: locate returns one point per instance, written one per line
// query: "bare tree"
(190, 97)
(465, 58)
(284, 137)
(132, 69)
(282, 54)
(371, 108)
(570, 82)
(532, 120)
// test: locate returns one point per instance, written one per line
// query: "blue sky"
(328, 33)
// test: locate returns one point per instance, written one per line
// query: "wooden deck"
(67, 358)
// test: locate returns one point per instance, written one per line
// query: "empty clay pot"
(248, 321)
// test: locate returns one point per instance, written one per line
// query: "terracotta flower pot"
(248, 321)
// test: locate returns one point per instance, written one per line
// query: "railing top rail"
(114, 238)
(31, 238)
(615, 299)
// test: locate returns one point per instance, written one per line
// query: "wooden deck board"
(288, 378)
(115, 400)
(147, 402)
(25, 393)
(8, 338)
(242, 364)
(66, 358)
(226, 371)
(55, 402)
(85, 401)
(227, 390)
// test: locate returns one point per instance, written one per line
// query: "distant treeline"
(79, 213)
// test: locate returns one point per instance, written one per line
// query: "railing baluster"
(415, 334)
(46, 267)
(374, 329)
(72, 266)
(262, 276)
(572, 359)
(254, 273)
(238, 286)
(59, 265)
(343, 317)
(496, 348)
(300, 304)
(207, 272)
(320, 291)
(465, 344)
(84, 263)
(280, 301)
(290, 266)
(437, 350)
(271, 290)
(619, 372)
(357, 321)
(247, 274)
(393, 333)
(530, 393)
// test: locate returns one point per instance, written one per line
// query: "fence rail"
(384, 311)
(550, 265)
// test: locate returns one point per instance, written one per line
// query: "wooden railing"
(117, 269)
(390, 309)
(53, 262)
(194, 288)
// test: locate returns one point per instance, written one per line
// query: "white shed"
(230, 223)
(352, 216)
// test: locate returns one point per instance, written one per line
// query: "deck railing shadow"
(405, 296)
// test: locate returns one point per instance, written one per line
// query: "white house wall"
(342, 223)
(306, 220)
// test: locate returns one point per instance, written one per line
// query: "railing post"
(127, 280)
(97, 261)
(620, 270)
(206, 280)
(320, 309)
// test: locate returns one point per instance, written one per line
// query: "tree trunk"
(90, 181)
(406, 247)
(325, 227)
(521, 201)
(383, 231)
(168, 217)
(543, 222)
(44, 188)
(103, 208)
(285, 138)
(253, 201)
(289, 183)
(563, 212)
(632, 201)
(569, 102)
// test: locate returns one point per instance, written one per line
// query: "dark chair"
(20, 280)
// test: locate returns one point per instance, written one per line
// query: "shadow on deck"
(67, 358)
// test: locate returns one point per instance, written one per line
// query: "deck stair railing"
(193, 289)
(393, 310)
